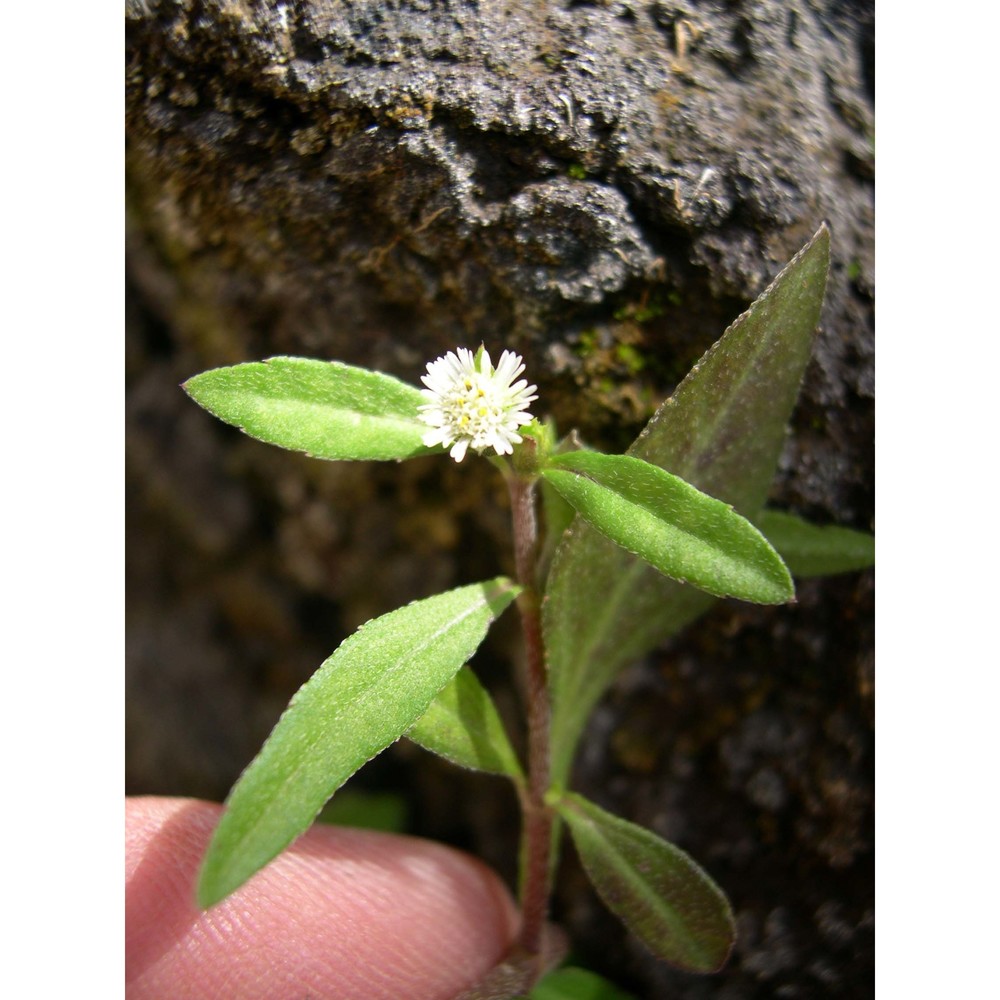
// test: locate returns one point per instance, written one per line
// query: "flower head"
(471, 404)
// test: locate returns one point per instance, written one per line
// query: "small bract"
(471, 404)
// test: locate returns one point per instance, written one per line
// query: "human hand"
(342, 914)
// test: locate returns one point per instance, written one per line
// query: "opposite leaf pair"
(405, 672)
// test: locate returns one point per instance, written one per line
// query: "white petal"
(510, 367)
(435, 437)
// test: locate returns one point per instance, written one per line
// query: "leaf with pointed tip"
(363, 698)
(686, 534)
(811, 550)
(653, 887)
(323, 408)
(463, 726)
(721, 431)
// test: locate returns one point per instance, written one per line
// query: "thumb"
(341, 914)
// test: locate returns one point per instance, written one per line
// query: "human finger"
(343, 914)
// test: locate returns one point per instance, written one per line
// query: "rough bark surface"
(603, 187)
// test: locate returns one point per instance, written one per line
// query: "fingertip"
(343, 912)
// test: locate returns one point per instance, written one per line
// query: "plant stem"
(536, 833)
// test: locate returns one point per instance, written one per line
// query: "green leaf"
(573, 983)
(811, 550)
(686, 534)
(363, 698)
(557, 516)
(369, 810)
(722, 432)
(323, 408)
(463, 726)
(657, 891)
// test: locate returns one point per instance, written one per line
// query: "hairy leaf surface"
(363, 698)
(812, 550)
(684, 533)
(653, 887)
(463, 726)
(722, 432)
(323, 408)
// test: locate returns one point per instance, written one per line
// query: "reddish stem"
(537, 816)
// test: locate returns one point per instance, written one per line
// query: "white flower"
(472, 405)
